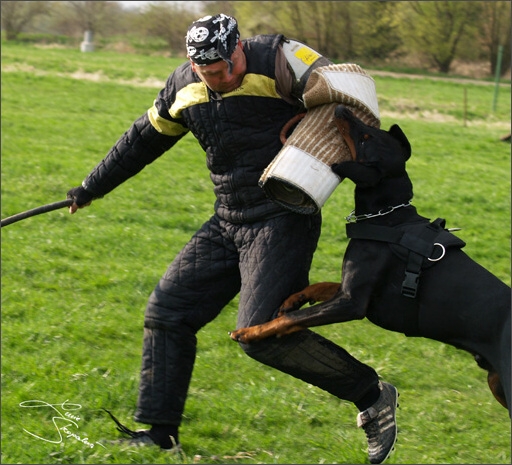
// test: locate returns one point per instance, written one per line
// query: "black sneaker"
(142, 437)
(379, 424)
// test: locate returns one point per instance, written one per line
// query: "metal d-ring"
(442, 253)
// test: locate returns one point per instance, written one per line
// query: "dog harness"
(420, 245)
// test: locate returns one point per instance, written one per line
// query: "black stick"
(36, 211)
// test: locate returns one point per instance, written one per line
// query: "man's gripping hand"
(81, 197)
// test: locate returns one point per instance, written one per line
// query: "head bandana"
(211, 39)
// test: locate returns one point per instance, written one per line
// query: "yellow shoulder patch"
(164, 126)
(255, 85)
(190, 95)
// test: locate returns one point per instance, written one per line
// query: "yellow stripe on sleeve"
(164, 126)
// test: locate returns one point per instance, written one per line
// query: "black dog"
(401, 271)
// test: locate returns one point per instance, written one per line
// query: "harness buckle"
(410, 284)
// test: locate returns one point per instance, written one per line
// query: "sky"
(133, 4)
(138, 4)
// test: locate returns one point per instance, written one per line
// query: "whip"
(36, 211)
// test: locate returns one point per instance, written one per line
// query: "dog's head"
(376, 154)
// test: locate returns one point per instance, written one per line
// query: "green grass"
(74, 288)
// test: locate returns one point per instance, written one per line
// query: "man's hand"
(81, 197)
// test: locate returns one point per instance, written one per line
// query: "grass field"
(74, 288)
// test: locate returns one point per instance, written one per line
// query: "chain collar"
(352, 218)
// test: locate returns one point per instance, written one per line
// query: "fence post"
(497, 77)
(465, 106)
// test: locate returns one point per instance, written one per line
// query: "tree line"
(434, 33)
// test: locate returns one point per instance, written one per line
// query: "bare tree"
(375, 30)
(340, 30)
(17, 15)
(169, 21)
(258, 17)
(495, 31)
(73, 18)
(436, 28)
(214, 7)
(94, 16)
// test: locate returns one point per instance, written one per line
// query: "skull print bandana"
(211, 39)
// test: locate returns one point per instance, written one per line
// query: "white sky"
(138, 4)
(133, 4)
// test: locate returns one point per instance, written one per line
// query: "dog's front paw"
(240, 335)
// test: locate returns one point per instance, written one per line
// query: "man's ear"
(399, 135)
(361, 175)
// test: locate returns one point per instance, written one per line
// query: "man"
(234, 96)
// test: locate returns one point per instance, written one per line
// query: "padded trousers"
(263, 262)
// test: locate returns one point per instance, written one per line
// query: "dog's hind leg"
(504, 370)
(493, 379)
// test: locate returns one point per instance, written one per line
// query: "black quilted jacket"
(239, 132)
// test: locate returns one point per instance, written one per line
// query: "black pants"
(264, 262)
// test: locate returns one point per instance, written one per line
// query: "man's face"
(216, 75)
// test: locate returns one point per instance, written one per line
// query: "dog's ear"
(361, 175)
(399, 135)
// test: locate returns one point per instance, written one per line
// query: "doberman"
(401, 271)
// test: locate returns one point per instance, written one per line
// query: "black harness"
(420, 245)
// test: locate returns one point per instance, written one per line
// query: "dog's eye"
(366, 136)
